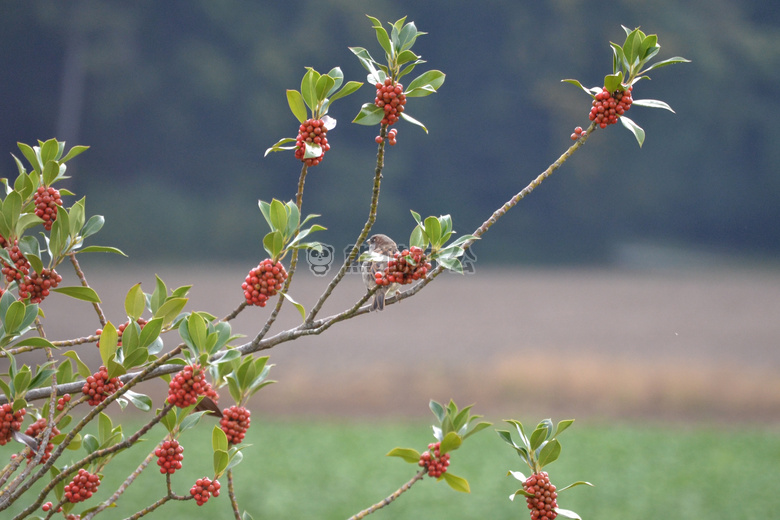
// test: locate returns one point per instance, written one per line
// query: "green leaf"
(278, 215)
(102, 249)
(425, 84)
(664, 63)
(506, 437)
(563, 425)
(31, 157)
(457, 483)
(301, 309)
(308, 87)
(76, 150)
(81, 368)
(369, 115)
(613, 82)
(381, 36)
(297, 107)
(135, 302)
(170, 309)
(150, 332)
(36, 341)
(407, 36)
(219, 440)
(635, 129)
(109, 339)
(277, 147)
(323, 86)
(348, 89)
(521, 492)
(273, 243)
(578, 483)
(438, 410)
(410, 119)
(197, 331)
(451, 442)
(477, 428)
(14, 317)
(140, 401)
(549, 452)
(49, 151)
(408, 454)
(433, 231)
(94, 224)
(86, 294)
(652, 103)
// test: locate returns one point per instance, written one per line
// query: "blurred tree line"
(179, 100)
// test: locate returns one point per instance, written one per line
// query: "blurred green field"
(331, 470)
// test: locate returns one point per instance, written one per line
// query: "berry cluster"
(82, 486)
(312, 131)
(263, 282)
(34, 430)
(121, 329)
(390, 97)
(10, 422)
(20, 268)
(187, 385)
(609, 106)
(578, 132)
(391, 137)
(543, 503)
(37, 285)
(169, 456)
(235, 422)
(48, 505)
(46, 200)
(203, 489)
(434, 462)
(62, 401)
(405, 267)
(98, 386)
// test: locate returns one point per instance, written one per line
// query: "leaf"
(140, 401)
(670, 61)
(578, 483)
(635, 129)
(102, 249)
(438, 410)
(613, 82)
(169, 310)
(273, 243)
(109, 339)
(81, 368)
(506, 437)
(381, 36)
(218, 439)
(521, 492)
(652, 103)
(425, 84)
(76, 150)
(517, 475)
(369, 115)
(549, 452)
(86, 294)
(31, 156)
(221, 461)
(451, 442)
(308, 84)
(277, 147)
(408, 454)
(297, 305)
(297, 107)
(567, 513)
(323, 86)
(348, 89)
(563, 425)
(35, 341)
(457, 483)
(412, 120)
(14, 317)
(477, 428)
(135, 302)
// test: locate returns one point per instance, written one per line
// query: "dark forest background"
(179, 100)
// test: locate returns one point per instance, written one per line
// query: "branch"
(387, 501)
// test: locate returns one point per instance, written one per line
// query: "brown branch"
(80, 274)
(387, 501)
(232, 495)
(121, 489)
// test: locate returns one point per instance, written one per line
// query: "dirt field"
(584, 343)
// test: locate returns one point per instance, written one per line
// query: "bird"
(381, 248)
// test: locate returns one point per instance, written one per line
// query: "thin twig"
(80, 274)
(232, 495)
(121, 489)
(387, 501)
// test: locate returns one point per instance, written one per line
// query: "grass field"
(331, 470)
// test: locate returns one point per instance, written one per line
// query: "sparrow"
(381, 248)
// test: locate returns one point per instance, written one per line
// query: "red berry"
(20, 267)
(37, 285)
(36, 430)
(544, 500)
(432, 460)
(607, 106)
(46, 200)
(10, 422)
(187, 385)
(83, 485)
(203, 489)
(405, 267)
(98, 386)
(235, 422)
(263, 282)
(313, 131)
(390, 98)
(169, 456)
